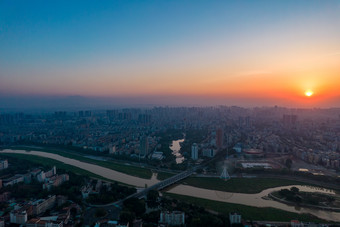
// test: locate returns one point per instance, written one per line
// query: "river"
(256, 200)
(175, 147)
(101, 171)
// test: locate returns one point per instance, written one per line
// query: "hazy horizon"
(73, 103)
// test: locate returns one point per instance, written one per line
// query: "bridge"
(159, 186)
(162, 184)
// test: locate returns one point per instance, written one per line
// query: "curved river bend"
(101, 171)
(256, 200)
(175, 147)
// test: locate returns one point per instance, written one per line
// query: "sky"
(172, 52)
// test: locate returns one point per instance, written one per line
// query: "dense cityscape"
(210, 146)
(170, 113)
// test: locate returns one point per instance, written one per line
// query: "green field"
(240, 185)
(130, 170)
(164, 175)
(51, 162)
(247, 212)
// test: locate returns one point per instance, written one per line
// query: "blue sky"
(44, 43)
(67, 32)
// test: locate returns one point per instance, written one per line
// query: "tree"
(199, 171)
(152, 198)
(151, 217)
(297, 199)
(73, 212)
(135, 205)
(100, 212)
(289, 163)
(127, 216)
(295, 190)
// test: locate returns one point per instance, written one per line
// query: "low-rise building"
(41, 176)
(18, 217)
(37, 222)
(56, 181)
(234, 218)
(3, 164)
(41, 205)
(13, 180)
(27, 178)
(295, 223)
(51, 172)
(4, 197)
(172, 218)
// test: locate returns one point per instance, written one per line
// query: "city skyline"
(180, 53)
(170, 113)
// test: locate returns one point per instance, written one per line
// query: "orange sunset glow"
(257, 53)
(309, 93)
(170, 113)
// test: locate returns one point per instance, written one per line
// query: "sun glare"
(309, 93)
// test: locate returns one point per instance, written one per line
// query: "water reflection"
(175, 147)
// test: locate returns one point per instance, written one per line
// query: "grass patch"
(164, 175)
(130, 170)
(247, 212)
(240, 185)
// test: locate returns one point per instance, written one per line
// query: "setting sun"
(309, 93)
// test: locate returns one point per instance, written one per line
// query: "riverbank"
(94, 168)
(239, 185)
(255, 200)
(276, 197)
(305, 180)
(247, 212)
(127, 169)
(59, 165)
(259, 200)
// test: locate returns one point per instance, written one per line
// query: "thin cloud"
(255, 73)
(331, 54)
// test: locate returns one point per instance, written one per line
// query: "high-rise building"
(289, 120)
(111, 113)
(247, 121)
(194, 151)
(219, 138)
(88, 113)
(209, 152)
(144, 146)
(144, 118)
(240, 121)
